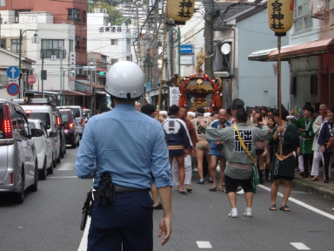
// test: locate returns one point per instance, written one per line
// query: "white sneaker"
(233, 213)
(241, 192)
(248, 212)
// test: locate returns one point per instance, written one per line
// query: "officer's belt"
(121, 189)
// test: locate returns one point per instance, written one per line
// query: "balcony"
(49, 52)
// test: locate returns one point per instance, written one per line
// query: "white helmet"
(125, 80)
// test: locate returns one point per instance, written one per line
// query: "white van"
(45, 114)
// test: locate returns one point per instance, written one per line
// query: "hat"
(237, 103)
(163, 112)
(192, 113)
(207, 114)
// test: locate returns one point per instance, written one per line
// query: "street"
(50, 219)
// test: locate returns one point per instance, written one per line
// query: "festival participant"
(305, 127)
(239, 166)
(326, 132)
(316, 148)
(217, 153)
(283, 166)
(202, 146)
(178, 141)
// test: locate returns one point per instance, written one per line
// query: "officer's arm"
(85, 161)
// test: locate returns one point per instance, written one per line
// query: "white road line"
(316, 210)
(203, 244)
(84, 239)
(67, 166)
(62, 177)
(300, 246)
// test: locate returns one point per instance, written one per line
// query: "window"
(15, 45)
(79, 72)
(73, 14)
(302, 20)
(44, 117)
(314, 84)
(3, 43)
(52, 47)
(84, 16)
(84, 43)
(113, 60)
(70, 45)
(114, 41)
(77, 43)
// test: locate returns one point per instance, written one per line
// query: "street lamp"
(34, 41)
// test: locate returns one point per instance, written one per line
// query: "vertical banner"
(173, 96)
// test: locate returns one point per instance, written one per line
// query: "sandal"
(273, 207)
(213, 189)
(285, 208)
(314, 179)
(222, 189)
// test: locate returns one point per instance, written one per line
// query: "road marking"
(300, 246)
(63, 177)
(84, 239)
(203, 244)
(67, 166)
(316, 210)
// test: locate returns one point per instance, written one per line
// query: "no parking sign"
(13, 89)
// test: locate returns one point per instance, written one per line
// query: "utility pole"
(208, 36)
(42, 74)
(60, 75)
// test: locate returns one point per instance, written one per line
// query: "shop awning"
(294, 51)
(306, 49)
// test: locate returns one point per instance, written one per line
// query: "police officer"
(131, 147)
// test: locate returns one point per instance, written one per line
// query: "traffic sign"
(32, 79)
(13, 89)
(13, 72)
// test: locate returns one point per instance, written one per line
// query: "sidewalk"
(324, 190)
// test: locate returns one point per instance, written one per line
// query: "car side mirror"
(36, 132)
(52, 134)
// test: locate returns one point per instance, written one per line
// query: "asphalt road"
(49, 219)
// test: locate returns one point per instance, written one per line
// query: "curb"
(318, 190)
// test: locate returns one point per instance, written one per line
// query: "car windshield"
(32, 125)
(66, 117)
(44, 117)
(76, 112)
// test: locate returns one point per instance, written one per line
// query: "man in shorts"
(216, 152)
(178, 141)
(239, 167)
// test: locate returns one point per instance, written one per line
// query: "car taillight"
(58, 121)
(11, 178)
(71, 124)
(81, 121)
(8, 133)
(28, 111)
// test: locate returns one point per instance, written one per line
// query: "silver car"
(18, 165)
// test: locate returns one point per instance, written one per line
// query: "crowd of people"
(197, 143)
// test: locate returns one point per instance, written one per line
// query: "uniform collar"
(125, 107)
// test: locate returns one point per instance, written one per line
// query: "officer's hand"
(165, 226)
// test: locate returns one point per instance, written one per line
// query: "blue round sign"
(13, 89)
(13, 72)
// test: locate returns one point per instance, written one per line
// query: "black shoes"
(200, 182)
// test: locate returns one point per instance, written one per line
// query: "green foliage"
(115, 16)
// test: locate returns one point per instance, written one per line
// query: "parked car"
(42, 110)
(62, 136)
(70, 127)
(78, 116)
(43, 146)
(18, 156)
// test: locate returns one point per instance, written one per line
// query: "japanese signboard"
(180, 10)
(110, 29)
(280, 15)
